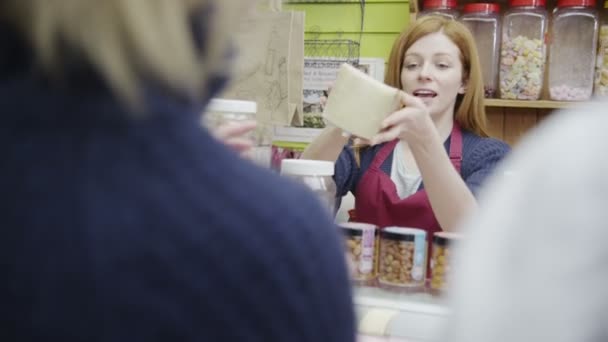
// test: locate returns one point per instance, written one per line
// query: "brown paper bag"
(270, 64)
(296, 61)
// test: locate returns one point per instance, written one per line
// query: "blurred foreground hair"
(128, 41)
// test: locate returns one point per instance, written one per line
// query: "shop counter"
(406, 317)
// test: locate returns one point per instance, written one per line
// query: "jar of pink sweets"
(523, 50)
(572, 51)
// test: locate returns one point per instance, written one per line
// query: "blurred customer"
(535, 265)
(123, 220)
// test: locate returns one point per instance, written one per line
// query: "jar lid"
(481, 7)
(356, 228)
(234, 106)
(445, 238)
(531, 3)
(575, 3)
(306, 167)
(402, 233)
(439, 4)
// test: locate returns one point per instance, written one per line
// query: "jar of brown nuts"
(362, 250)
(402, 262)
(440, 258)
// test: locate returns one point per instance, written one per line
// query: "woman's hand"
(234, 134)
(411, 123)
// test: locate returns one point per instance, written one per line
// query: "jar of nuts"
(440, 259)
(402, 261)
(362, 250)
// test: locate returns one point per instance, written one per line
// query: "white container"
(317, 175)
(573, 49)
(223, 111)
(483, 20)
(523, 50)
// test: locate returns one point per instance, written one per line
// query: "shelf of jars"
(548, 104)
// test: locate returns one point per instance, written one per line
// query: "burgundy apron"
(377, 201)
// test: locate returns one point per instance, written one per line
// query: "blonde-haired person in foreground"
(123, 220)
(534, 266)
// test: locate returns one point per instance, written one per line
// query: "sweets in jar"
(572, 55)
(441, 258)
(523, 50)
(361, 249)
(402, 261)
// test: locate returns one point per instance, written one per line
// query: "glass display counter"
(384, 315)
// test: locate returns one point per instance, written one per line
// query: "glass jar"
(402, 262)
(601, 66)
(483, 20)
(317, 175)
(446, 8)
(523, 50)
(441, 259)
(573, 50)
(362, 250)
(221, 112)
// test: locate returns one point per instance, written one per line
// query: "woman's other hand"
(411, 123)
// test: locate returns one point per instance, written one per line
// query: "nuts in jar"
(402, 261)
(440, 259)
(361, 248)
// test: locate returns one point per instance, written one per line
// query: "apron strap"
(384, 152)
(456, 146)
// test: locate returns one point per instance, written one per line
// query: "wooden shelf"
(529, 104)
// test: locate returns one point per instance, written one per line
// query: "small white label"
(366, 263)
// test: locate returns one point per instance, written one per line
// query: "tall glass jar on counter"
(573, 49)
(445, 8)
(225, 111)
(221, 112)
(317, 175)
(523, 50)
(483, 20)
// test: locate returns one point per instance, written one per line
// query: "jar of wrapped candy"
(573, 49)
(362, 251)
(483, 20)
(445, 8)
(441, 258)
(523, 50)
(402, 263)
(601, 66)
(317, 175)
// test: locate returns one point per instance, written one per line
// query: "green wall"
(383, 21)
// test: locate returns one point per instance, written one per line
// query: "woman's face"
(432, 71)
